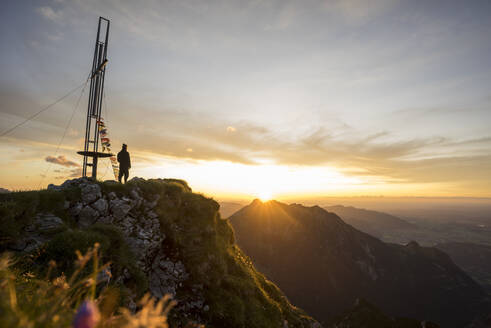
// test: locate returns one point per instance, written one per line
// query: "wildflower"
(60, 282)
(87, 315)
(89, 282)
(153, 314)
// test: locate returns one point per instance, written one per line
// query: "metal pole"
(94, 107)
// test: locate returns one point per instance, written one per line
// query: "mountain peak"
(310, 251)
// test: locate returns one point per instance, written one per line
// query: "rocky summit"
(159, 237)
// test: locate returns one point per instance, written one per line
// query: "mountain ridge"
(309, 251)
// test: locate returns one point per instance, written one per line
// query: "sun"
(265, 195)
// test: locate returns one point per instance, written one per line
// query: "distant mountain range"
(323, 265)
(372, 222)
(474, 259)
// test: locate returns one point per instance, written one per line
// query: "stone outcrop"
(135, 217)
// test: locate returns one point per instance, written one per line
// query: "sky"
(257, 98)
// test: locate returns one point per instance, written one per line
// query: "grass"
(18, 209)
(58, 301)
(63, 247)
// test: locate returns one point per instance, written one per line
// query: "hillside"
(324, 265)
(364, 314)
(159, 237)
(474, 259)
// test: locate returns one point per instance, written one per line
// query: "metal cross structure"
(95, 101)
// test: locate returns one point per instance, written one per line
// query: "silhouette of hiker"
(124, 163)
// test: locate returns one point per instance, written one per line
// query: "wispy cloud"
(382, 154)
(61, 160)
(50, 13)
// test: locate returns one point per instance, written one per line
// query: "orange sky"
(325, 98)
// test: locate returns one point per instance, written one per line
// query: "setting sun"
(265, 195)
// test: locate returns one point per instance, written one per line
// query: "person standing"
(124, 163)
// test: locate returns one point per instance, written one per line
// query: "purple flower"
(87, 315)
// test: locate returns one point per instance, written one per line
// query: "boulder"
(100, 206)
(54, 187)
(47, 223)
(119, 208)
(87, 217)
(90, 192)
(38, 232)
(75, 209)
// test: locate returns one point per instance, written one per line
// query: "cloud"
(379, 156)
(357, 11)
(49, 13)
(61, 160)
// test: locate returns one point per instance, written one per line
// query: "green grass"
(18, 209)
(62, 248)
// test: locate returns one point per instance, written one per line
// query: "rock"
(165, 276)
(136, 180)
(119, 208)
(68, 184)
(75, 209)
(134, 193)
(53, 187)
(34, 242)
(90, 192)
(74, 182)
(127, 224)
(112, 195)
(152, 215)
(106, 219)
(206, 308)
(136, 203)
(37, 233)
(100, 205)
(47, 223)
(87, 217)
